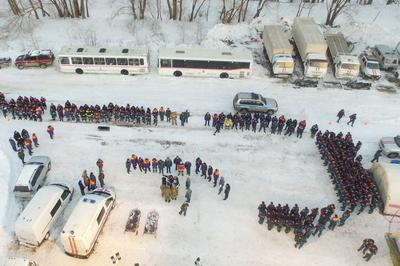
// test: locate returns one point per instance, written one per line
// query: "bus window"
(134, 61)
(99, 61)
(141, 61)
(165, 62)
(88, 60)
(122, 61)
(64, 60)
(111, 61)
(76, 60)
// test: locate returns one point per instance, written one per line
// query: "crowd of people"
(114, 112)
(300, 221)
(27, 108)
(354, 185)
(257, 122)
(21, 141)
(89, 182)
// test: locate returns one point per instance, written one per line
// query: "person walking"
(81, 187)
(50, 130)
(226, 191)
(184, 207)
(339, 115)
(128, 165)
(188, 195)
(197, 262)
(221, 184)
(353, 118)
(377, 154)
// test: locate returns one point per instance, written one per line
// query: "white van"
(83, 227)
(36, 220)
(15, 261)
(32, 176)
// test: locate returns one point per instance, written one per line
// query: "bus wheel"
(177, 73)
(124, 72)
(224, 75)
(78, 71)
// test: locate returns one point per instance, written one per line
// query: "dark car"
(37, 58)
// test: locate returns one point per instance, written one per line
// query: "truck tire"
(393, 155)
(42, 66)
(224, 75)
(20, 66)
(79, 71)
(177, 73)
(124, 72)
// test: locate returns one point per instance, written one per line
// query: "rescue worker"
(50, 130)
(377, 154)
(81, 187)
(340, 115)
(344, 217)
(101, 179)
(92, 182)
(207, 118)
(134, 161)
(373, 249)
(182, 119)
(28, 145)
(333, 222)
(100, 165)
(367, 242)
(204, 170)
(300, 128)
(128, 165)
(188, 165)
(168, 165)
(35, 140)
(226, 191)
(161, 166)
(209, 173)
(262, 212)
(174, 116)
(21, 155)
(218, 125)
(314, 130)
(198, 164)
(227, 123)
(167, 192)
(187, 182)
(188, 195)
(181, 169)
(146, 165)
(161, 111)
(216, 176)
(175, 188)
(184, 207)
(154, 165)
(352, 119)
(177, 161)
(85, 179)
(221, 184)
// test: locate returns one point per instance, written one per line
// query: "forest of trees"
(188, 10)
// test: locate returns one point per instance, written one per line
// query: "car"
(369, 65)
(36, 58)
(254, 102)
(390, 146)
(32, 176)
(5, 62)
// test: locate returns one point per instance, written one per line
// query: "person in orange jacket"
(181, 169)
(28, 145)
(146, 164)
(35, 140)
(216, 176)
(50, 130)
(162, 113)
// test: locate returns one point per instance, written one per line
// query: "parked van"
(83, 227)
(386, 56)
(32, 176)
(35, 222)
(15, 261)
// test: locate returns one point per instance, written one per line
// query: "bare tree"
(19, 10)
(141, 6)
(260, 6)
(335, 8)
(175, 9)
(195, 9)
(71, 8)
(15, 7)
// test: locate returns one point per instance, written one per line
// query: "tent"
(387, 177)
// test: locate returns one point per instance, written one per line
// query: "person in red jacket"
(50, 130)
(372, 250)
(300, 128)
(100, 165)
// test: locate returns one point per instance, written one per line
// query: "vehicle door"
(38, 178)
(31, 61)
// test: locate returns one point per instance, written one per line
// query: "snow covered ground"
(257, 166)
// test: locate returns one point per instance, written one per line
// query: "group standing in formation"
(257, 122)
(27, 108)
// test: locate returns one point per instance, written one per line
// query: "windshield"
(397, 140)
(319, 63)
(101, 193)
(350, 66)
(373, 65)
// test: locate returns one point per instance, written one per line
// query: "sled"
(132, 225)
(151, 223)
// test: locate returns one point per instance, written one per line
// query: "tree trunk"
(83, 13)
(15, 9)
(194, 3)
(133, 9)
(245, 10)
(169, 9)
(143, 4)
(198, 9)
(260, 7)
(34, 9)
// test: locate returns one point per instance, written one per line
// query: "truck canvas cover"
(276, 41)
(337, 44)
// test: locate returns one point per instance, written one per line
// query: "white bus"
(114, 60)
(204, 63)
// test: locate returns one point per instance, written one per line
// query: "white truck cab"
(370, 66)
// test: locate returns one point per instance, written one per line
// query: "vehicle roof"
(42, 200)
(385, 49)
(337, 43)
(26, 174)
(248, 95)
(38, 159)
(39, 52)
(277, 37)
(349, 59)
(309, 29)
(370, 57)
(110, 51)
(84, 213)
(202, 53)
